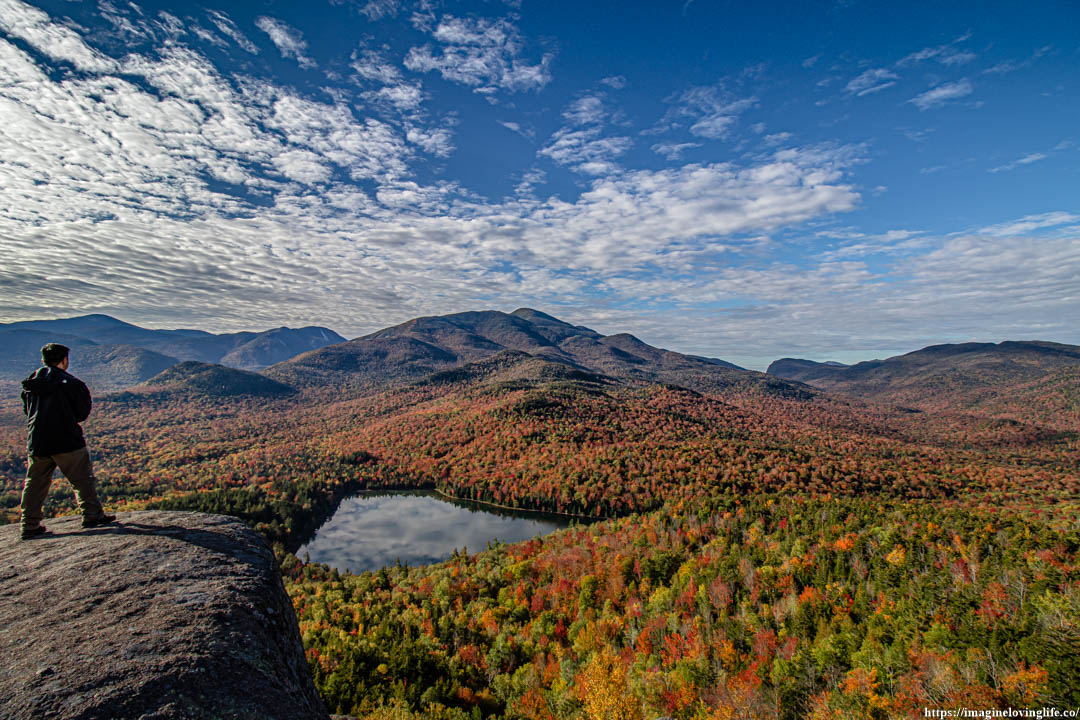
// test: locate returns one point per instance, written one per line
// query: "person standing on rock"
(55, 402)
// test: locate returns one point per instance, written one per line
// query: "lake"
(368, 532)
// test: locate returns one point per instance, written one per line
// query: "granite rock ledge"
(166, 615)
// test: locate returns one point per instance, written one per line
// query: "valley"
(761, 546)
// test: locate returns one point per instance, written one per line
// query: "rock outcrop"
(166, 615)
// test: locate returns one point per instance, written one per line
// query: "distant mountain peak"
(628, 337)
(957, 376)
(530, 314)
(112, 368)
(100, 317)
(541, 318)
(440, 344)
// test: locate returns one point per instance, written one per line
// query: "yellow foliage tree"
(897, 556)
(1027, 686)
(604, 691)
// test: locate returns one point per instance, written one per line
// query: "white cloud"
(1006, 66)
(714, 127)
(714, 111)
(171, 25)
(373, 66)
(207, 35)
(19, 68)
(288, 40)
(1002, 282)
(155, 185)
(616, 82)
(955, 289)
(34, 27)
(378, 9)
(526, 133)
(1026, 160)
(944, 54)
(529, 180)
(114, 180)
(893, 242)
(968, 287)
(1030, 223)
(673, 151)
(367, 148)
(942, 94)
(124, 151)
(401, 97)
(483, 54)
(585, 150)
(872, 81)
(585, 110)
(303, 166)
(227, 27)
(126, 27)
(639, 217)
(436, 141)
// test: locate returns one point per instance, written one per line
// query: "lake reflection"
(370, 531)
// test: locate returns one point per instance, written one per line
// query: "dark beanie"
(54, 353)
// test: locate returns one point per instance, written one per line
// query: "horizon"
(844, 182)
(752, 362)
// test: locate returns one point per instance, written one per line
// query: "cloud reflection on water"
(369, 532)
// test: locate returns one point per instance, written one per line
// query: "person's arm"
(79, 396)
(26, 403)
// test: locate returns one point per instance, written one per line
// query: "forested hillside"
(726, 608)
(579, 445)
(1011, 380)
(426, 345)
(767, 550)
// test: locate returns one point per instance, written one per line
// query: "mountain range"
(113, 354)
(1034, 379)
(995, 379)
(428, 345)
(790, 515)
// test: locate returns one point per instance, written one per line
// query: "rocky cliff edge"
(166, 615)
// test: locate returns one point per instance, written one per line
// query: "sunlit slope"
(530, 434)
(1024, 381)
(430, 344)
(749, 607)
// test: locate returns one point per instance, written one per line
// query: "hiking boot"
(28, 533)
(98, 522)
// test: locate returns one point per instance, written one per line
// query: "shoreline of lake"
(421, 526)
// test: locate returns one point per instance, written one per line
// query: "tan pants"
(77, 469)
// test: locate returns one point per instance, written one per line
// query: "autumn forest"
(748, 546)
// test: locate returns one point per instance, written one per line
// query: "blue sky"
(743, 180)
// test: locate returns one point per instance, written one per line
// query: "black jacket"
(55, 402)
